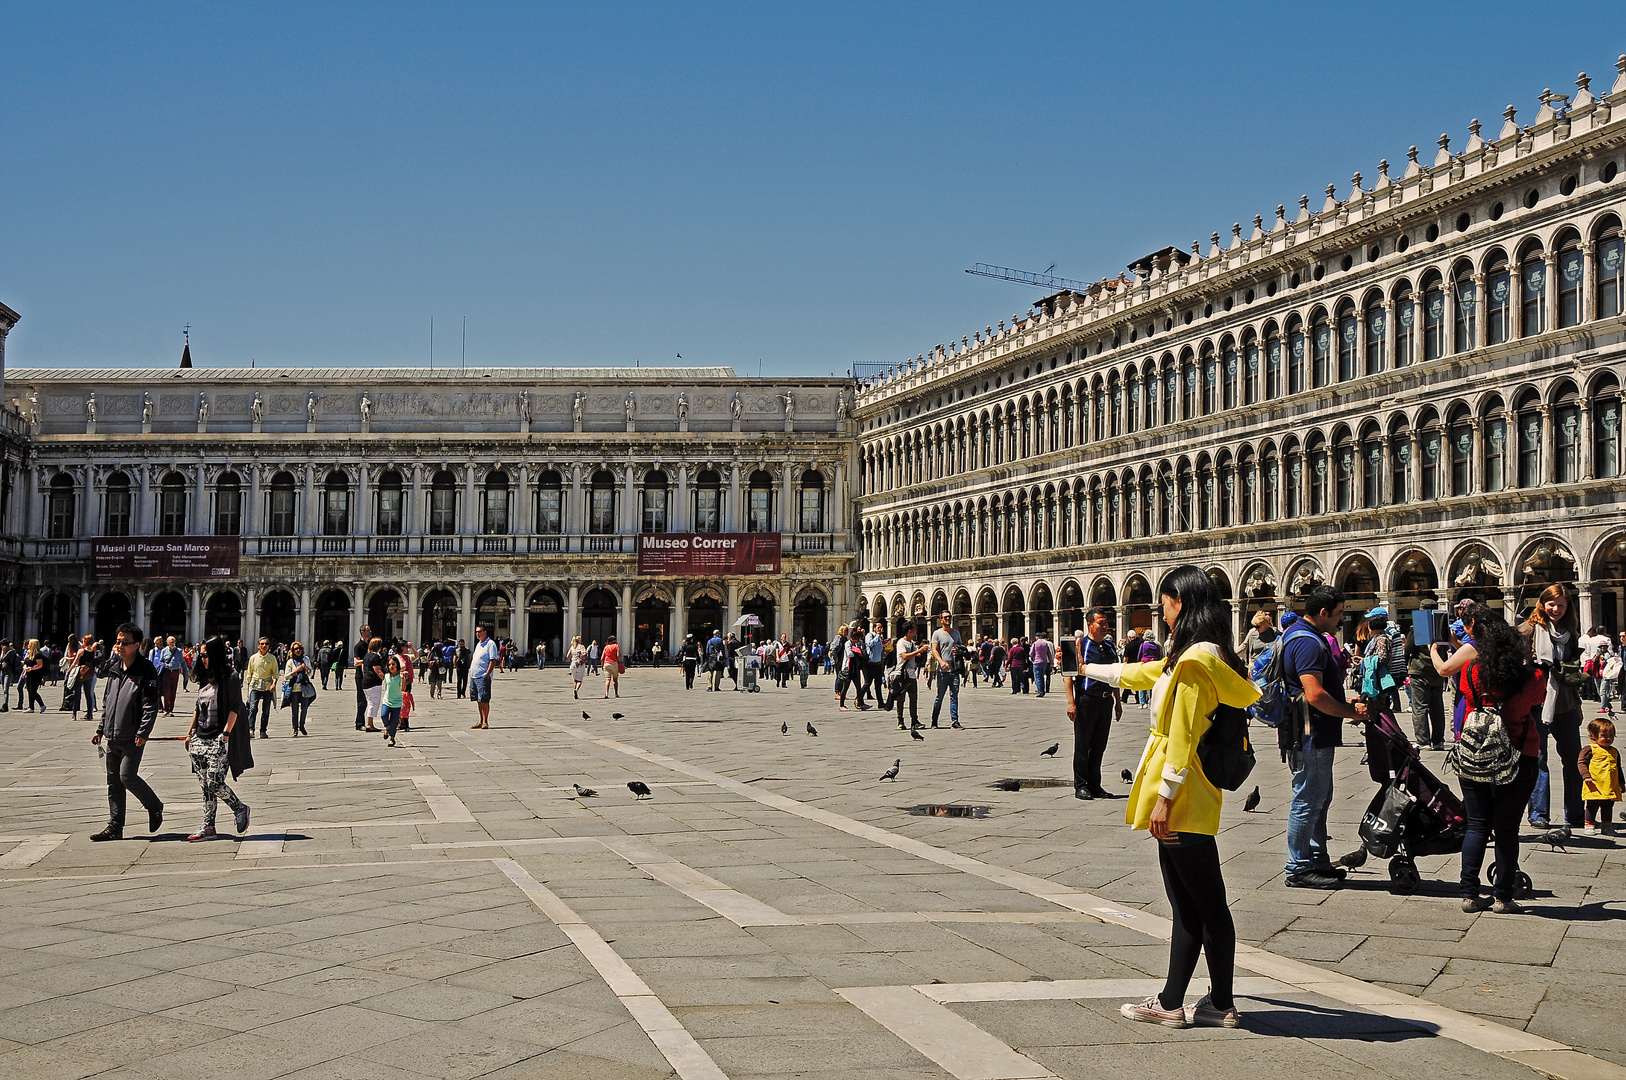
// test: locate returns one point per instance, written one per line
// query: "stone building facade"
(422, 501)
(1413, 391)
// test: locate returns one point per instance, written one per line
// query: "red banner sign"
(696, 554)
(148, 557)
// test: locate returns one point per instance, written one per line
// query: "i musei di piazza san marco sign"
(694, 554)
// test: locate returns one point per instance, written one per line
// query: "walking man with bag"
(130, 698)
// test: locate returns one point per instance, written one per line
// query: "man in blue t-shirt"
(1310, 669)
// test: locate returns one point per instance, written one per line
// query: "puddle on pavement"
(948, 810)
(1026, 783)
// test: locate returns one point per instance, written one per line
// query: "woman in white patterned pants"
(219, 709)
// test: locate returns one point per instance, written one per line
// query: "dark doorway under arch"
(277, 617)
(811, 620)
(332, 622)
(705, 617)
(223, 615)
(439, 619)
(598, 617)
(111, 610)
(167, 616)
(545, 621)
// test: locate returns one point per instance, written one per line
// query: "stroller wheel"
(1522, 885)
(1403, 877)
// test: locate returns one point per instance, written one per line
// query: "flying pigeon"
(892, 773)
(784, 728)
(811, 730)
(617, 716)
(585, 716)
(1127, 777)
(1251, 803)
(585, 792)
(638, 788)
(1050, 752)
(917, 736)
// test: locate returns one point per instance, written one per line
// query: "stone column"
(200, 503)
(785, 617)
(520, 629)
(1476, 459)
(626, 622)
(251, 615)
(312, 516)
(680, 513)
(629, 499)
(835, 514)
(575, 512)
(1547, 467)
(732, 518)
(471, 520)
(1480, 321)
(84, 610)
(572, 619)
(138, 612)
(522, 517)
(144, 522)
(1510, 604)
(81, 510)
(1549, 300)
(732, 615)
(358, 615)
(787, 520)
(1583, 599)
(305, 622)
(679, 625)
(412, 523)
(194, 615)
(362, 519)
(251, 520)
(465, 615)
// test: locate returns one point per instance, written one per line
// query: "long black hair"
(1501, 662)
(1204, 615)
(216, 671)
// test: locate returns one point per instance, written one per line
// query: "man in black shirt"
(464, 658)
(359, 653)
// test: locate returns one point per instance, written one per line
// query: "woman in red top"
(1499, 676)
(612, 667)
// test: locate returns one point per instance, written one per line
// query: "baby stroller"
(1414, 813)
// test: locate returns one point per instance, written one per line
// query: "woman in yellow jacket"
(1174, 800)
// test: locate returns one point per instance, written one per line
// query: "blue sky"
(796, 185)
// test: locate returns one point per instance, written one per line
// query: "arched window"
(1247, 470)
(1376, 336)
(1205, 494)
(1132, 413)
(1117, 404)
(1461, 436)
(1433, 317)
(759, 503)
(1103, 405)
(1165, 510)
(708, 502)
(1269, 481)
(1372, 468)
(653, 496)
(1533, 293)
(1344, 462)
(336, 504)
(1225, 477)
(1321, 351)
(1609, 273)
(1400, 464)
(1293, 481)
(812, 508)
(1295, 358)
(1466, 295)
(1148, 504)
(1498, 301)
(389, 518)
(1405, 328)
(1250, 371)
(116, 516)
(1348, 342)
(1232, 375)
(280, 505)
(1529, 420)
(1188, 388)
(172, 505)
(1273, 366)
(1571, 267)
(1567, 437)
(1114, 508)
(549, 503)
(1187, 484)
(1171, 390)
(1432, 441)
(1210, 384)
(59, 524)
(1316, 452)
(1097, 513)
(228, 504)
(1606, 430)
(443, 504)
(601, 506)
(1494, 466)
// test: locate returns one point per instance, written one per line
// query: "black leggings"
(1202, 919)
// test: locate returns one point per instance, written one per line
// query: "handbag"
(1224, 751)
(1380, 826)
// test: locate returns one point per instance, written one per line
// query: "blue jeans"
(1041, 679)
(1566, 736)
(951, 683)
(1307, 814)
(87, 689)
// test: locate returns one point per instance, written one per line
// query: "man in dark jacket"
(131, 694)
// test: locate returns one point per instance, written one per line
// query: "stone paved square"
(451, 909)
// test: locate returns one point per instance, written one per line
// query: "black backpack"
(1225, 751)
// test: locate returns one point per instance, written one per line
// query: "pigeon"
(1050, 752)
(1009, 785)
(585, 792)
(917, 736)
(892, 773)
(1251, 803)
(1127, 777)
(585, 716)
(1354, 859)
(1554, 840)
(638, 788)
(784, 728)
(617, 716)
(811, 730)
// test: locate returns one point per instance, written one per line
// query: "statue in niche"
(90, 407)
(146, 407)
(525, 406)
(33, 412)
(841, 403)
(366, 408)
(683, 406)
(629, 407)
(310, 407)
(789, 400)
(203, 408)
(736, 406)
(256, 408)
(577, 405)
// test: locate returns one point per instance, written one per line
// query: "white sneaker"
(1590, 830)
(1203, 1014)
